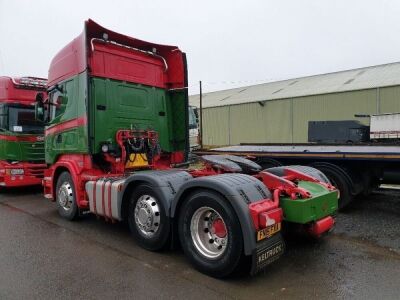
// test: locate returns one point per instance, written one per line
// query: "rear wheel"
(339, 181)
(147, 219)
(210, 234)
(66, 197)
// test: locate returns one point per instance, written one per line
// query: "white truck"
(385, 127)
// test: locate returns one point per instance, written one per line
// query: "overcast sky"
(228, 43)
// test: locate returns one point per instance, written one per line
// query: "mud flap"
(267, 252)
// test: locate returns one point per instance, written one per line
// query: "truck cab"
(21, 135)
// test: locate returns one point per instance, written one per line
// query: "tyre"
(339, 181)
(147, 220)
(66, 197)
(268, 163)
(280, 171)
(312, 172)
(210, 234)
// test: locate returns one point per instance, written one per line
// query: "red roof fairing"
(73, 59)
(20, 89)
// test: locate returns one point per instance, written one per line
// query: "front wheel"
(66, 197)
(210, 234)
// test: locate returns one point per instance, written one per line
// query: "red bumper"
(32, 174)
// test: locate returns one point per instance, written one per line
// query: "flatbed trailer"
(354, 169)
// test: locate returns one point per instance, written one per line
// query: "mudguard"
(239, 189)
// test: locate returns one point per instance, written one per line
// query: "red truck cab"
(21, 135)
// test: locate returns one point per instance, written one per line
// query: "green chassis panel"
(323, 203)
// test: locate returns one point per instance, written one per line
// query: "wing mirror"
(40, 110)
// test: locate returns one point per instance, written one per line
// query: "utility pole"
(201, 115)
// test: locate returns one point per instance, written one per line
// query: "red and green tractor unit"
(21, 135)
(116, 145)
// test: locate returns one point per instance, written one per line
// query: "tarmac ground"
(45, 257)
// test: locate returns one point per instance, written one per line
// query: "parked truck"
(21, 136)
(382, 129)
(385, 127)
(338, 132)
(116, 144)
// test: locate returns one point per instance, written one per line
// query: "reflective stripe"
(70, 124)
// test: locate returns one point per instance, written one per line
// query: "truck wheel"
(344, 188)
(147, 219)
(312, 172)
(66, 197)
(210, 234)
(340, 179)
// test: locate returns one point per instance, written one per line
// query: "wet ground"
(45, 257)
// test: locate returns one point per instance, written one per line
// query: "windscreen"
(22, 120)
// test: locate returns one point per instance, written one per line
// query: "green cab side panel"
(22, 151)
(120, 105)
(322, 203)
(74, 139)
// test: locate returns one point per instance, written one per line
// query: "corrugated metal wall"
(216, 126)
(329, 107)
(389, 99)
(286, 120)
(247, 123)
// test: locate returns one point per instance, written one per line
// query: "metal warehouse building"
(278, 112)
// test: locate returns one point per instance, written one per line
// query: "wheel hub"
(209, 232)
(147, 215)
(218, 228)
(65, 196)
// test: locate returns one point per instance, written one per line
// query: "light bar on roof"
(30, 82)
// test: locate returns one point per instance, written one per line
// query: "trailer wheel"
(210, 234)
(66, 197)
(341, 180)
(147, 220)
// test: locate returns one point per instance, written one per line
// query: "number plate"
(268, 231)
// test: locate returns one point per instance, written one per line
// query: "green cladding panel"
(389, 99)
(120, 105)
(331, 107)
(286, 120)
(21, 151)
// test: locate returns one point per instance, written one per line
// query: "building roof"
(350, 80)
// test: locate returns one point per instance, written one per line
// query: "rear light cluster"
(271, 217)
(265, 213)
